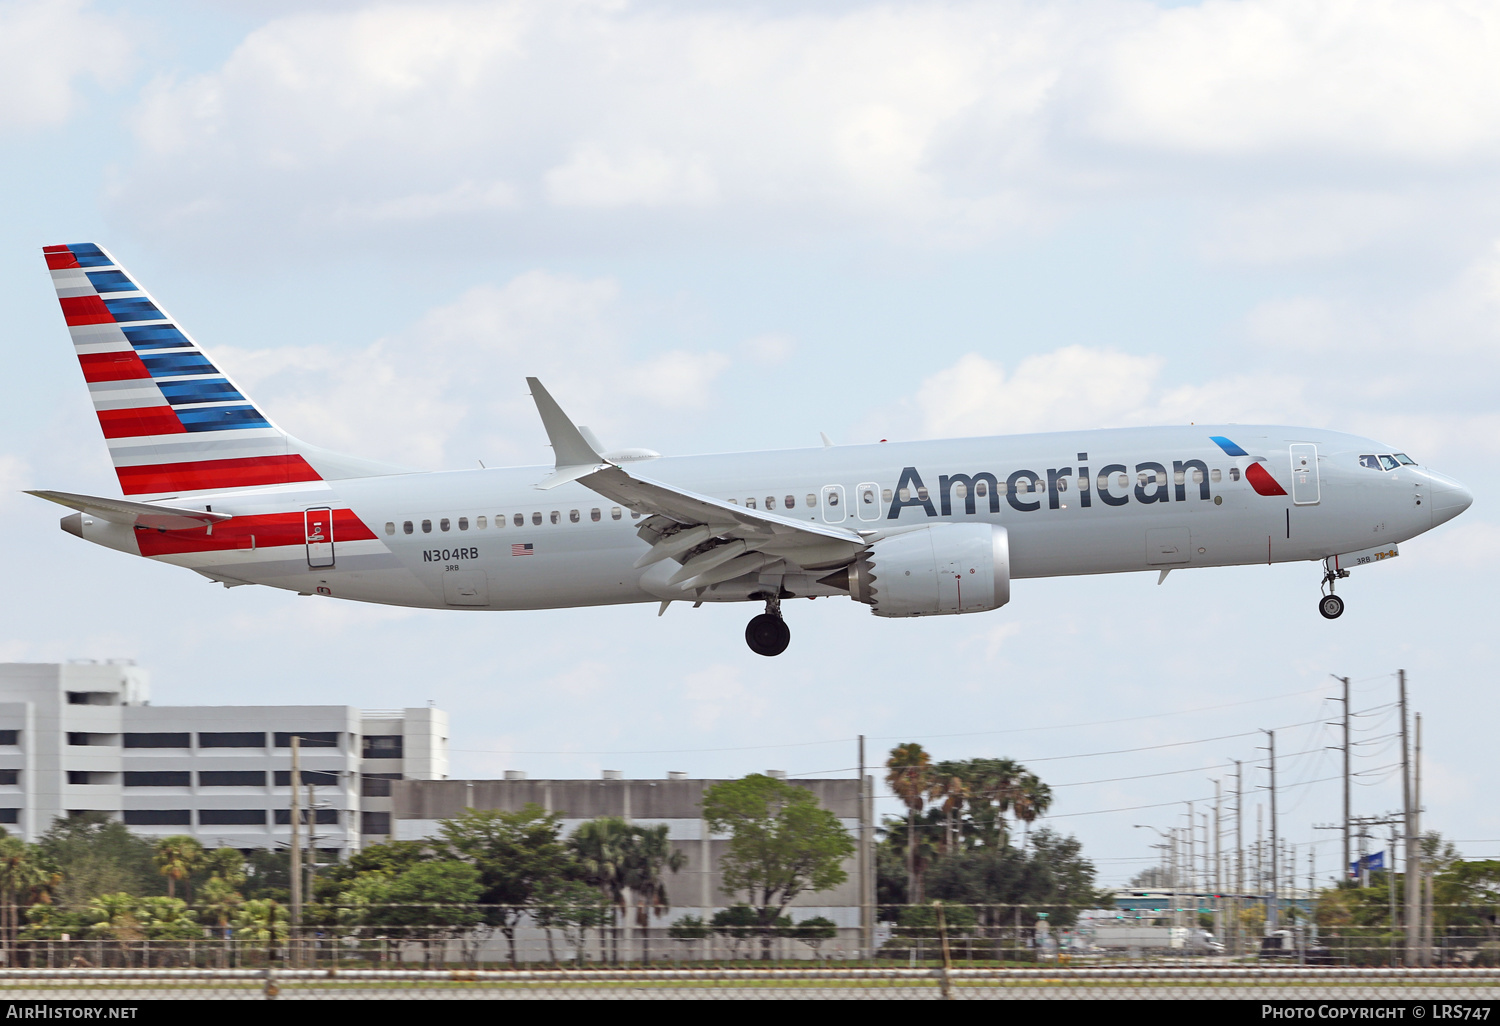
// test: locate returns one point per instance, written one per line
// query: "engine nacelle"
(945, 568)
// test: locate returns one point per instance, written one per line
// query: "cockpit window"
(1388, 463)
(1403, 458)
(1369, 461)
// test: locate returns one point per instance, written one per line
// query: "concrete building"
(83, 736)
(676, 801)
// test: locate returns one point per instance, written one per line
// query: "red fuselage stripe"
(268, 530)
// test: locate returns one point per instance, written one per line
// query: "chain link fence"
(934, 951)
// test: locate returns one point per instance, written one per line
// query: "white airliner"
(909, 529)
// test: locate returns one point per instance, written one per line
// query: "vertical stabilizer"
(174, 422)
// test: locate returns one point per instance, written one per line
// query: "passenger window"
(1121, 481)
(922, 493)
(390, 527)
(427, 527)
(1369, 461)
(832, 497)
(1388, 463)
(443, 524)
(406, 527)
(1062, 484)
(1140, 478)
(572, 516)
(791, 502)
(520, 519)
(594, 514)
(1406, 459)
(749, 503)
(981, 488)
(480, 523)
(812, 500)
(1234, 473)
(960, 490)
(1197, 476)
(885, 493)
(867, 496)
(634, 515)
(1215, 475)
(734, 502)
(556, 517)
(1179, 477)
(770, 502)
(536, 519)
(614, 513)
(463, 523)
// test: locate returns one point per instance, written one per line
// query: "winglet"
(574, 455)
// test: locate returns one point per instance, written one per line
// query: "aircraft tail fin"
(173, 421)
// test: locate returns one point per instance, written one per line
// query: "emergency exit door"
(318, 527)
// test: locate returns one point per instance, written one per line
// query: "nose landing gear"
(768, 634)
(1330, 605)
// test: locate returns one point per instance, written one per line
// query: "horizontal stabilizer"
(134, 514)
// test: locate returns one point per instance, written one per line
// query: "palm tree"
(603, 848)
(651, 857)
(910, 778)
(993, 783)
(176, 858)
(20, 873)
(951, 787)
(1032, 799)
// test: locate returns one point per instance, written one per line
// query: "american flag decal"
(520, 549)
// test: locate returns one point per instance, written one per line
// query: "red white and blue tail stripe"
(173, 421)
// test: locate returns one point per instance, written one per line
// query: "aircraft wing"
(714, 540)
(134, 514)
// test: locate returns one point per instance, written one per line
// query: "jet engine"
(945, 568)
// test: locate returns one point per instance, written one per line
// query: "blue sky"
(732, 228)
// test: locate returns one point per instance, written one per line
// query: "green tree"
(813, 932)
(601, 852)
(781, 844)
(177, 858)
(739, 923)
(574, 908)
(23, 875)
(96, 855)
(651, 857)
(1032, 799)
(261, 920)
(518, 856)
(428, 901)
(910, 778)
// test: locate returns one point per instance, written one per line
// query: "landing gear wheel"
(1331, 606)
(768, 635)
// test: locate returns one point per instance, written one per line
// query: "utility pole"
(1272, 912)
(866, 918)
(1413, 852)
(1218, 862)
(1424, 928)
(1348, 780)
(1239, 848)
(294, 862)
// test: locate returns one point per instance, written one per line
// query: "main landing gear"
(1330, 605)
(768, 634)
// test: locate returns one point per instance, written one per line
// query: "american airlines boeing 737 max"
(909, 529)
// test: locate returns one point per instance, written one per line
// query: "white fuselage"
(452, 540)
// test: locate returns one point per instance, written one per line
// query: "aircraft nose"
(1449, 498)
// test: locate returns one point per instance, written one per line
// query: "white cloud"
(449, 389)
(49, 45)
(940, 122)
(1072, 387)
